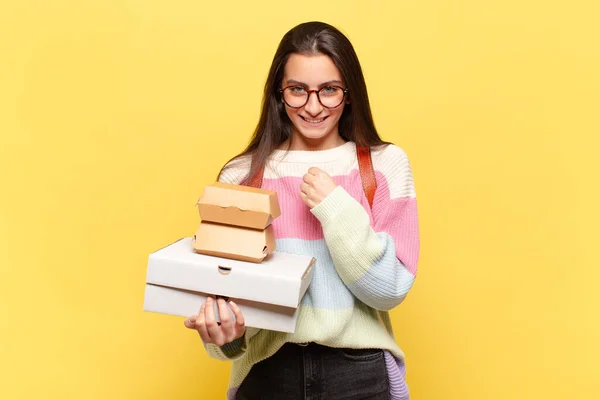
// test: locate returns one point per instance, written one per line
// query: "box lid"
(280, 279)
(238, 205)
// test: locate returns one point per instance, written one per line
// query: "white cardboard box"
(268, 293)
(185, 303)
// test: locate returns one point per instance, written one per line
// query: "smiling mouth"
(314, 121)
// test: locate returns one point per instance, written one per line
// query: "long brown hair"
(274, 126)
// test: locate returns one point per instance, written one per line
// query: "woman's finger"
(190, 322)
(304, 198)
(305, 188)
(214, 330)
(309, 178)
(314, 171)
(307, 200)
(225, 317)
(240, 324)
(201, 325)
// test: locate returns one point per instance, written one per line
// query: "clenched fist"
(316, 185)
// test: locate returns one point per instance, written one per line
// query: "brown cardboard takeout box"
(238, 205)
(236, 222)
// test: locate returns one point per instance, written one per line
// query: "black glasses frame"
(311, 92)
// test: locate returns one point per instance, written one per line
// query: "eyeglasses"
(328, 96)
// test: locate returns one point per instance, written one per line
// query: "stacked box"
(232, 255)
(236, 222)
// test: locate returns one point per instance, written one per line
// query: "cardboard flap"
(238, 205)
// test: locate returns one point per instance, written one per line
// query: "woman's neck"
(298, 142)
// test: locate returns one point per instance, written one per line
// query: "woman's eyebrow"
(295, 82)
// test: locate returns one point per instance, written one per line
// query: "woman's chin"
(314, 134)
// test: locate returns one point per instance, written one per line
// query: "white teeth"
(314, 121)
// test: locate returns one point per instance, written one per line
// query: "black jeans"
(315, 372)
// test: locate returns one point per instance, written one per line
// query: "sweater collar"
(314, 156)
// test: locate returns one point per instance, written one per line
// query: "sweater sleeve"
(234, 350)
(378, 261)
(233, 173)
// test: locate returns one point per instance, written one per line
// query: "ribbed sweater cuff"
(229, 351)
(332, 205)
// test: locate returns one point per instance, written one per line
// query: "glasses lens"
(295, 96)
(331, 96)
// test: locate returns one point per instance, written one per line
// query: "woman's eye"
(329, 91)
(298, 90)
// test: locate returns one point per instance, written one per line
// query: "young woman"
(315, 121)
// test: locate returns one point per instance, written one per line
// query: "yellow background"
(115, 114)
